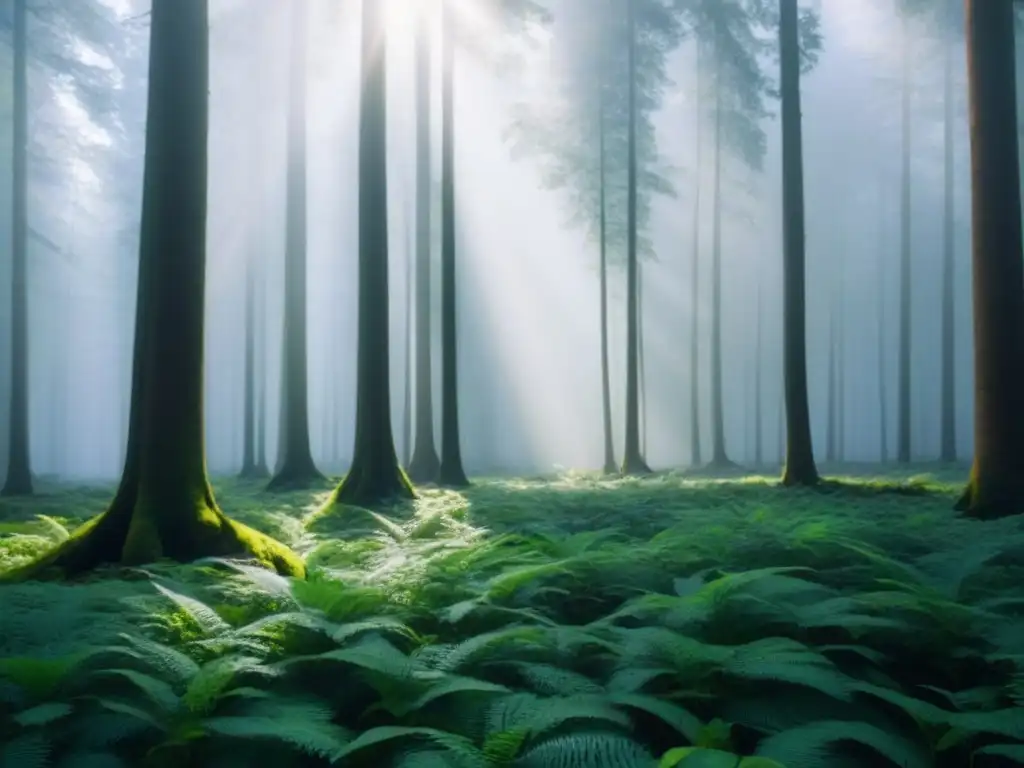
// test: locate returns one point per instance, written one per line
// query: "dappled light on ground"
(521, 619)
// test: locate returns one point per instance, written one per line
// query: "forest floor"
(571, 621)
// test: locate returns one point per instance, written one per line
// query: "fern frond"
(811, 746)
(587, 750)
(203, 615)
(29, 750)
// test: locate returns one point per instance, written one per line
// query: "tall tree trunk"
(451, 472)
(996, 485)
(841, 382)
(164, 507)
(799, 468)
(424, 465)
(695, 447)
(19, 473)
(758, 416)
(830, 427)
(903, 450)
(295, 461)
(780, 430)
(375, 475)
(719, 456)
(641, 365)
(409, 372)
(606, 388)
(632, 461)
(249, 396)
(883, 391)
(260, 383)
(947, 448)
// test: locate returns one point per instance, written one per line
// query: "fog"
(528, 303)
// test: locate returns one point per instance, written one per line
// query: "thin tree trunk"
(164, 507)
(409, 373)
(758, 416)
(947, 449)
(695, 447)
(261, 357)
(641, 364)
(19, 473)
(883, 393)
(996, 485)
(249, 395)
(633, 461)
(799, 468)
(375, 475)
(903, 448)
(295, 461)
(606, 389)
(424, 464)
(451, 472)
(841, 382)
(719, 456)
(830, 427)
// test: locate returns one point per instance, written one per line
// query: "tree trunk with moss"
(295, 468)
(375, 476)
(450, 472)
(19, 474)
(633, 462)
(996, 485)
(799, 468)
(164, 506)
(425, 462)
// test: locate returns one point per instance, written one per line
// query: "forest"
(511, 383)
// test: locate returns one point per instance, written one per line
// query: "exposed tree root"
(365, 487)
(980, 505)
(132, 535)
(296, 478)
(635, 465)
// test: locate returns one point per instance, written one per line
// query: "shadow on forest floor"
(722, 574)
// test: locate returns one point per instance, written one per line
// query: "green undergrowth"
(568, 622)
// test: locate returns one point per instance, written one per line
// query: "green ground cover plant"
(573, 621)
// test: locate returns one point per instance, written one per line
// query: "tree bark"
(424, 465)
(164, 507)
(996, 485)
(295, 462)
(799, 467)
(450, 473)
(375, 476)
(19, 473)
(633, 461)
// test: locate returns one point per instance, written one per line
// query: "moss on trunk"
(165, 507)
